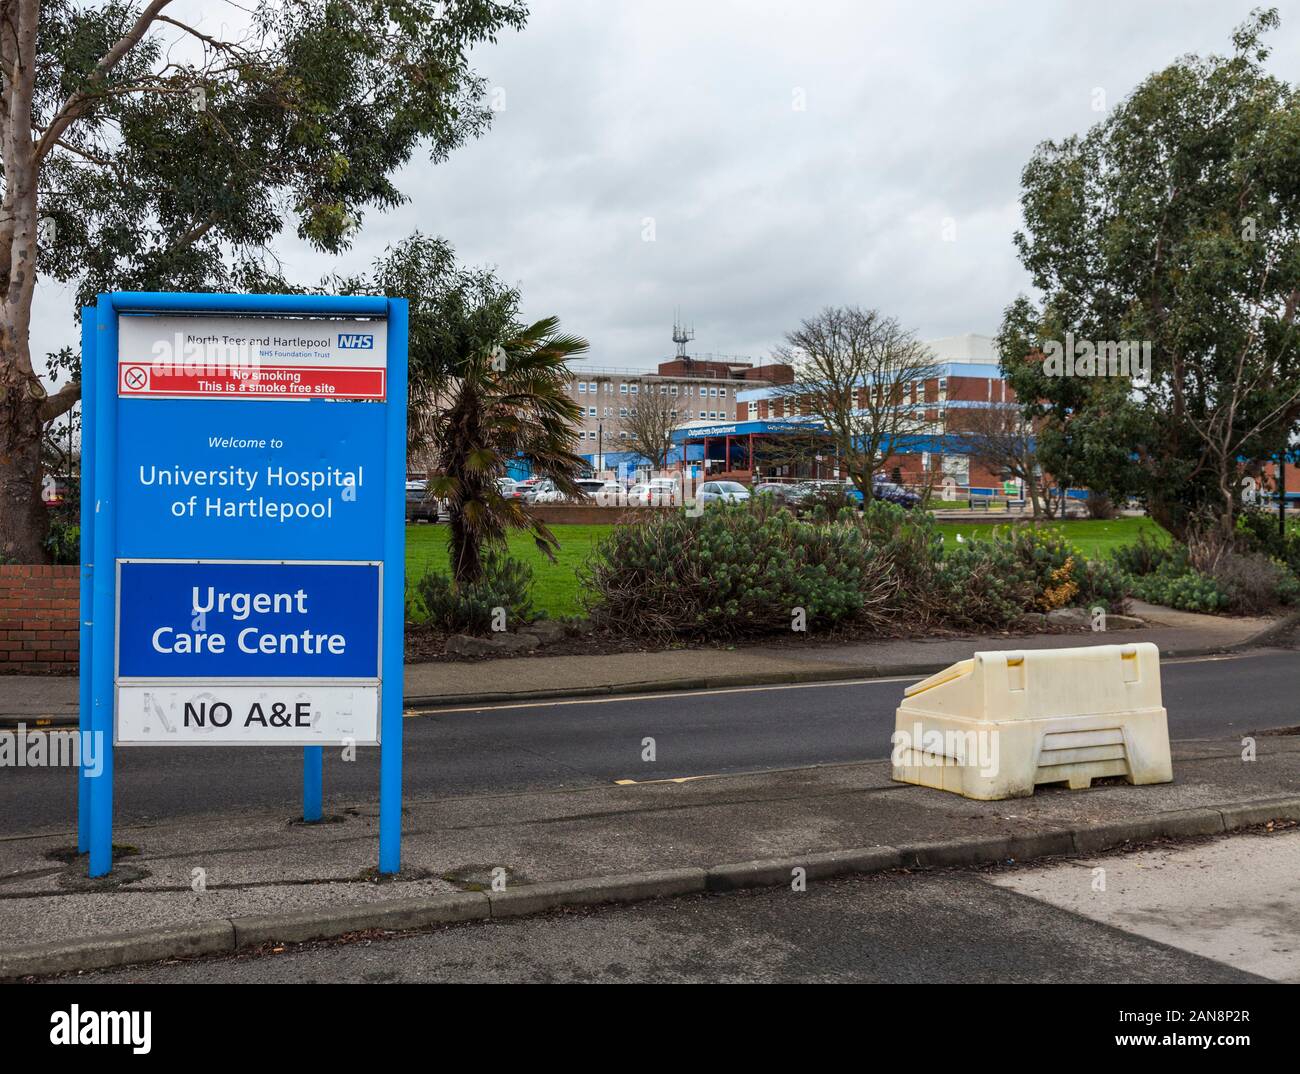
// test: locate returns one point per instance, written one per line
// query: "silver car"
(722, 492)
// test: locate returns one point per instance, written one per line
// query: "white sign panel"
(252, 358)
(182, 714)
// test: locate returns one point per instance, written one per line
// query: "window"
(622, 412)
(634, 388)
(591, 411)
(673, 390)
(943, 389)
(622, 434)
(622, 389)
(722, 392)
(753, 409)
(582, 435)
(663, 389)
(609, 387)
(674, 415)
(713, 392)
(582, 387)
(704, 413)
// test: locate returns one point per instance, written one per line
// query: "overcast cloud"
(688, 113)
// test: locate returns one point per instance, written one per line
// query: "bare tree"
(1001, 437)
(866, 379)
(649, 424)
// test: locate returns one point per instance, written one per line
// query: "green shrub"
(1254, 583)
(732, 571)
(63, 542)
(1176, 584)
(741, 570)
(1101, 582)
(1249, 575)
(506, 583)
(910, 541)
(1257, 532)
(1050, 563)
(827, 504)
(993, 582)
(1145, 556)
(984, 584)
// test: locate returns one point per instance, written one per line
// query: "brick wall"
(38, 619)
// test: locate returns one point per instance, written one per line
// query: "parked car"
(831, 492)
(527, 488)
(603, 492)
(788, 494)
(892, 493)
(545, 491)
(420, 507)
(507, 487)
(657, 492)
(722, 492)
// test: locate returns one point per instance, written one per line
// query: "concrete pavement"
(1235, 901)
(941, 927)
(211, 877)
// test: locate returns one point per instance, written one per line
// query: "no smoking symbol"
(135, 378)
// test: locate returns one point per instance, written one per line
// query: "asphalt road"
(538, 745)
(1042, 924)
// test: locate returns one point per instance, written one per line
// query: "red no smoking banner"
(263, 381)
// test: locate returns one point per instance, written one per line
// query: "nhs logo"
(356, 341)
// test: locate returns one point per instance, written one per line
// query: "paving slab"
(1233, 901)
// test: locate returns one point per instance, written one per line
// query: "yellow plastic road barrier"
(1000, 723)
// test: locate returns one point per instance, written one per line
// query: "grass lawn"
(555, 585)
(1093, 539)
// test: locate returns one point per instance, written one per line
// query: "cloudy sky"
(779, 156)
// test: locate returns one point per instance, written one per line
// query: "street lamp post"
(600, 446)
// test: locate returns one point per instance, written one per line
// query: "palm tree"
(484, 390)
(504, 404)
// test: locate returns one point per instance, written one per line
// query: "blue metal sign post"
(243, 539)
(89, 333)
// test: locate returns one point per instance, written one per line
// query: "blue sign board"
(211, 621)
(238, 479)
(243, 560)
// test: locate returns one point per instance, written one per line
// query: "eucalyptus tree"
(1173, 225)
(142, 150)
